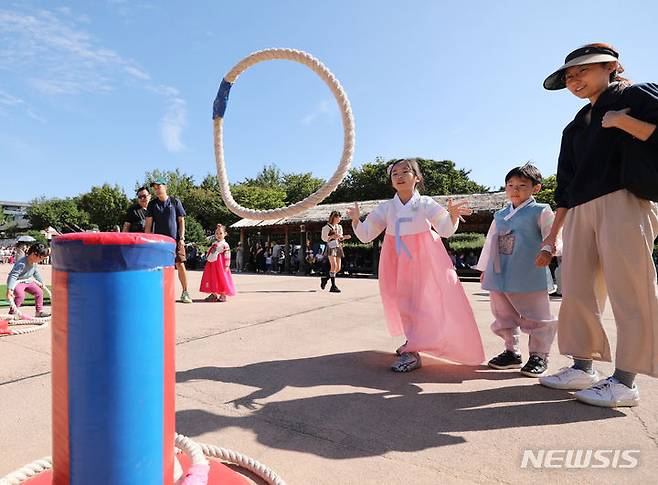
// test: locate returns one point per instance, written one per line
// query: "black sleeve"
(565, 171)
(149, 209)
(643, 101)
(131, 216)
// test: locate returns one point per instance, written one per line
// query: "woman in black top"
(608, 231)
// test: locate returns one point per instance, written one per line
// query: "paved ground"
(298, 379)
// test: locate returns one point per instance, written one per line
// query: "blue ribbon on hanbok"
(399, 243)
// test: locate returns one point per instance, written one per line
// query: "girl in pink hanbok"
(422, 296)
(217, 279)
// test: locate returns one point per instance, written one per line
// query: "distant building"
(15, 215)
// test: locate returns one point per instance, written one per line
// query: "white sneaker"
(610, 393)
(570, 379)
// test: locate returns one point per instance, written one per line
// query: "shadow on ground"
(390, 412)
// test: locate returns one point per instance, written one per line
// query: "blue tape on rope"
(219, 106)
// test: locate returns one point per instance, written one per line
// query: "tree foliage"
(106, 206)
(257, 197)
(207, 207)
(371, 181)
(59, 213)
(270, 177)
(298, 186)
(194, 231)
(547, 193)
(178, 183)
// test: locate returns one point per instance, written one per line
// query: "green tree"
(178, 183)
(38, 235)
(256, 197)
(207, 207)
(547, 193)
(106, 206)
(298, 186)
(270, 177)
(58, 213)
(371, 181)
(194, 231)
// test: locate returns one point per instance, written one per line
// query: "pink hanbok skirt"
(216, 279)
(424, 300)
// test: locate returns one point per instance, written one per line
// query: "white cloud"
(321, 110)
(49, 52)
(172, 125)
(8, 99)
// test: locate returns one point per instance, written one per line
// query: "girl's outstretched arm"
(445, 221)
(372, 227)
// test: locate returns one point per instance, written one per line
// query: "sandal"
(211, 298)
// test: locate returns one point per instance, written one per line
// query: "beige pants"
(607, 247)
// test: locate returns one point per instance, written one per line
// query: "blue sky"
(103, 91)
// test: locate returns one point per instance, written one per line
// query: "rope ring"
(197, 452)
(219, 108)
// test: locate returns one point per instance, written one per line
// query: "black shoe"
(506, 360)
(535, 367)
(334, 289)
(323, 282)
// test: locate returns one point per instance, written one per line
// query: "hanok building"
(15, 215)
(304, 229)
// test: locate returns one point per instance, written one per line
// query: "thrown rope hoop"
(196, 451)
(219, 108)
(19, 318)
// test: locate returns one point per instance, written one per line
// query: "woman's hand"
(458, 209)
(10, 294)
(611, 118)
(551, 240)
(346, 237)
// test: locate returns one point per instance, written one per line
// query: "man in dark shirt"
(166, 215)
(136, 216)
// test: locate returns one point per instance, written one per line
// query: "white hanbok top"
(418, 215)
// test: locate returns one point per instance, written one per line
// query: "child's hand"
(10, 294)
(458, 209)
(346, 237)
(354, 213)
(481, 277)
(543, 259)
(611, 118)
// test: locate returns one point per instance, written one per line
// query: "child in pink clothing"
(217, 277)
(420, 291)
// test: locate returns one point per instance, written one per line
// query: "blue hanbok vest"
(511, 267)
